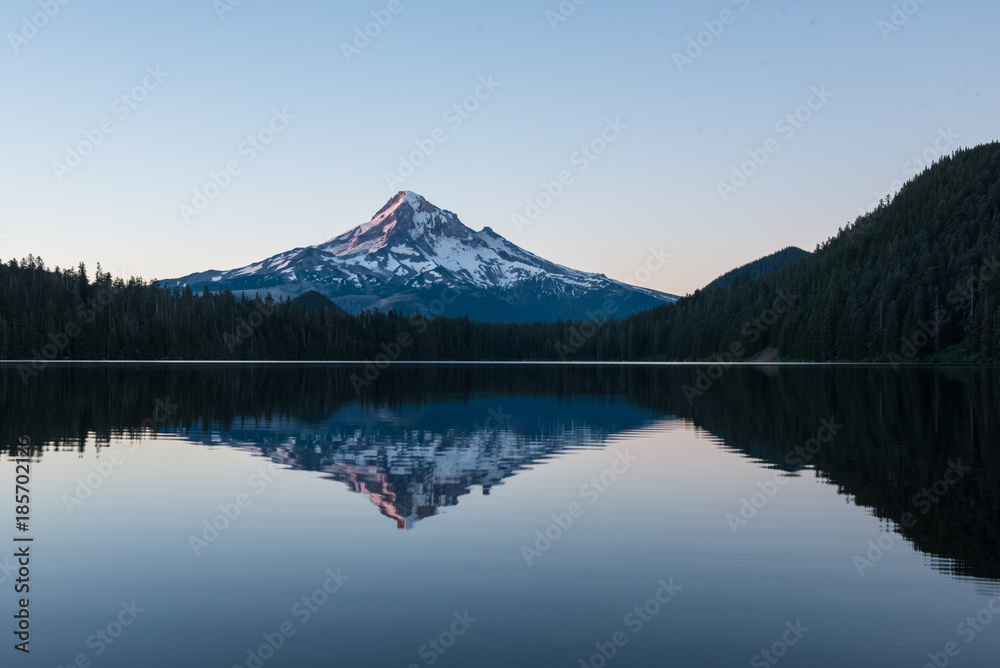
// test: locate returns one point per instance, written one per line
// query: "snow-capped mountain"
(414, 257)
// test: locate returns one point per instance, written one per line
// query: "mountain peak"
(400, 198)
(406, 213)
(403, 197)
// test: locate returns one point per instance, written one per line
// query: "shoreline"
(68, 363)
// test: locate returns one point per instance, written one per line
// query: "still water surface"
(506, 516)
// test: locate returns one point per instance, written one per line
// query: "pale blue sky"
(657, 185)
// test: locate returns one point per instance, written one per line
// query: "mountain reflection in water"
(421, 437)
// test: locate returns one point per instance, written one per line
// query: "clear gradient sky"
(682, 124)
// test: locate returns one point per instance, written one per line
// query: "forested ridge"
(758, 268)
(915, 280)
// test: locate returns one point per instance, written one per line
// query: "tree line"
(915, 280)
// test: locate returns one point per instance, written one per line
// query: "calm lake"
(504, 515)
